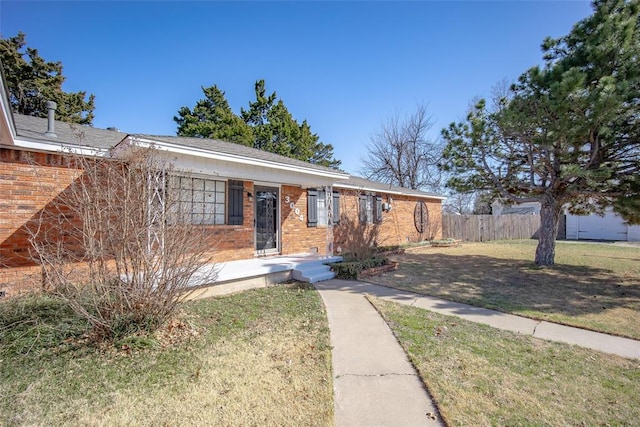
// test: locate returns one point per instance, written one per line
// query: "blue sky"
(344, 66)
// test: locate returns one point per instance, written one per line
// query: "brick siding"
(397, 226)
(30, 181)
(297, 236)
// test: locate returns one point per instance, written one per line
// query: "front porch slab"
(237, 276)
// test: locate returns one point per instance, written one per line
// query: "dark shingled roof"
(34, 128)
(520, 210)
(223, 147)
(67, 133)
(359, 182)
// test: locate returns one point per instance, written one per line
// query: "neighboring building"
(595, 227)
(610, 226)
(267, 204)
(529, 208)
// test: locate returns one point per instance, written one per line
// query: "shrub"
(349, 270)
(118, 245)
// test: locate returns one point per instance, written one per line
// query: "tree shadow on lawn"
(515, 285)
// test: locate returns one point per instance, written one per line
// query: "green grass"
(484, 376)
(261, 357)
(593, 286)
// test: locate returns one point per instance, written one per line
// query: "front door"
(266, 220)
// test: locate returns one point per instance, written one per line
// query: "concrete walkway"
(376, 385)
(374, 382)
(624, 347)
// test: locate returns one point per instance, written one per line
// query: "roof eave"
(387, 191)
(215, 155)
(59, 147)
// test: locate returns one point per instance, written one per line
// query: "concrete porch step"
(316, 271)
(313, 276)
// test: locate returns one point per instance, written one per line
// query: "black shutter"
(363, 209)
(235, 208)
(336, 207)
(377, 210)
(312, 207)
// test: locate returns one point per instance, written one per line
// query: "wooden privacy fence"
(482, 228)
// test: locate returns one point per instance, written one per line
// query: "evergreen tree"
(568, 134)
(213, 118)
(276, 130)
(267, 125)
(32, 82)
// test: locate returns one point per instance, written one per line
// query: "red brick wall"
(234, 242)
(297, 237)
(28, 182)
(397, 226)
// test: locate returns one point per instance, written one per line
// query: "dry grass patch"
(484, 376)
(594, 286)
(257, 358)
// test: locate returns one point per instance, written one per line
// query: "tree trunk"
(550, 211)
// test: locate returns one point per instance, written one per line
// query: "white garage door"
(607, 227)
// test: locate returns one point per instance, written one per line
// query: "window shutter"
(336, 207)
(377, 210)
(363, 209)
(236, 191)
(312, 207)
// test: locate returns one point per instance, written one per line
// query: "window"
(323, 217)
(320, 210)
(201, 200)
(370, 209)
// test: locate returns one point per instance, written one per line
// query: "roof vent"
(113, 129)
(51, 114)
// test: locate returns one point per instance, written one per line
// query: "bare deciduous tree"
(459, 203)
(401, 153)
(119, 244)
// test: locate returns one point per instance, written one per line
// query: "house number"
(295, 210)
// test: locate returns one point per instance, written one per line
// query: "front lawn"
(482, 376)
(261, 357)
(593, 286)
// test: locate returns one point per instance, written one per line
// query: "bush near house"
(118, 245)
(349, 270)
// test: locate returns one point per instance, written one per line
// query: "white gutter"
(386, 191)
(174, 148)
(60, 148)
